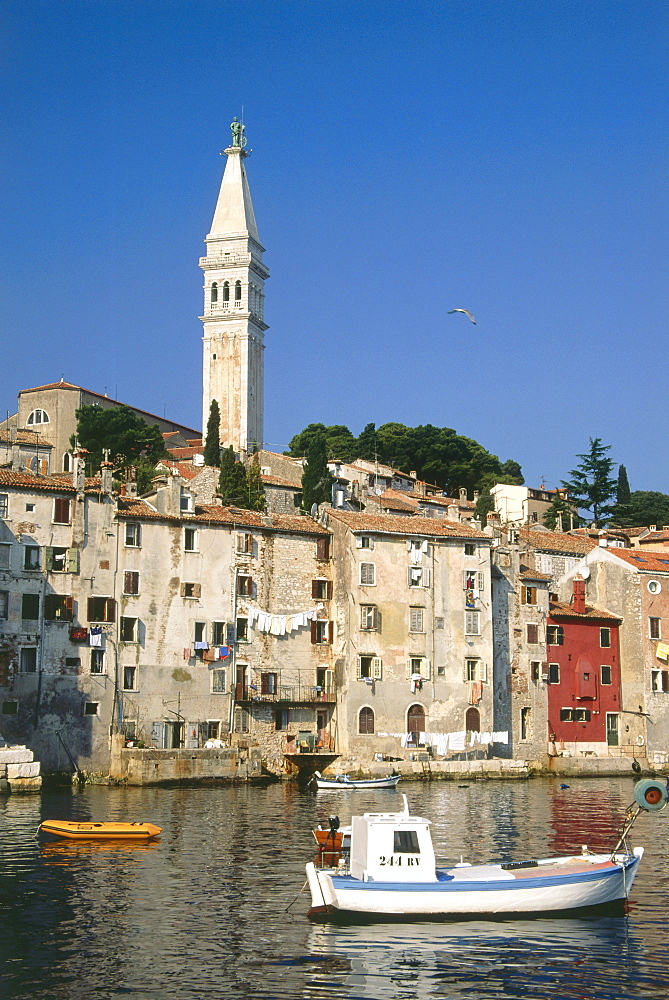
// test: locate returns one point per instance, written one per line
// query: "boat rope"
(298, 894)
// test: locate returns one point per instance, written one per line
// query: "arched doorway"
(416, 722)
(473, 720)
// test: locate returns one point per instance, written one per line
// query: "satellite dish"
(314, 509)
(585, 572)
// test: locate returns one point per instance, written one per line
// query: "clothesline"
(263, 621)
(456, 742)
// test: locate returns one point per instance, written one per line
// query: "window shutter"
(408, 668)
(329, 681)
(376, 619)
(328, 590)
(90, 609)
(408, 545)
(314, 588)
(314, 632)
(358, 542)
(110, 607)
(376, 668)
(481, 671)
(426, 669)
(48, 558)
(426, 576)
(73, 560)
(358, 673)
(330, 632)
(183, 590)
(68, 607)
(481, 580)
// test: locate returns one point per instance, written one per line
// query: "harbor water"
(215, 907)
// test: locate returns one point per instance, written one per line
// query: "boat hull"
(325, 784)
(99, 831)
(552, 886)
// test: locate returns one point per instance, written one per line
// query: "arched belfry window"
(238, 291)
(214, 293)
(366, 721)
(226, 291)
(37, 417)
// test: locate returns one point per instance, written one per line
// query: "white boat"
(343, 781)
(391, 872)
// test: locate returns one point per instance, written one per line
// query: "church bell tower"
(234, 296)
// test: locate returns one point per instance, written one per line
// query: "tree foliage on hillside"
(646, 507)
(437, 454)
(121, 432)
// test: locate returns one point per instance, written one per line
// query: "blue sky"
(408, 158)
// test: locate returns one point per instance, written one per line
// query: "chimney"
(579, 595)
(106, 470)
(463, 495)
(79, 471)
(453, 512)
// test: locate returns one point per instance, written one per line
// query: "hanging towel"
(95, 638)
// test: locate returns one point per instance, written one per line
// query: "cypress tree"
(316, 478)
(212, 443)
(256, 491)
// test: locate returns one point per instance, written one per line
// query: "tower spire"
(234, 327)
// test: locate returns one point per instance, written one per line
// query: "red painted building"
(583, 667)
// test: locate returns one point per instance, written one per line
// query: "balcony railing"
(295, 693)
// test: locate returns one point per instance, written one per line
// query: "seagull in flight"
(465, 311)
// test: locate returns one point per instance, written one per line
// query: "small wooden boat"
(343, 781)
(99, 831)
(390, 873)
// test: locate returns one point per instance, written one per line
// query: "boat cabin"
(391, 847)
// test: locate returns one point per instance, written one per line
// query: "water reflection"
(214, 908)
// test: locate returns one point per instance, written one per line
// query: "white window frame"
(376, 667)
(364, 542)
(472, 579)
(135, 575)
(472, 622)
(187, 530)
(135, 534)
(97, 655)
(418, 576)
(418, 664)
(134, 675)
(135, 629)
(416, 619)
(367, 569)
(651, 618)
(475, 669)
(4, 504)
(24, 649)
(369, 618)
(219, 680)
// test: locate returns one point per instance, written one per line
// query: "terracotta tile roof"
(61, 483)
(181, 453)
(24, 437)
(655, 536)
(394, 524)
(645, 562)
(135, 507)
(529, 574)
(557, 541)
(558, 609)
(185, 469)
(414, 499)
(277, 481)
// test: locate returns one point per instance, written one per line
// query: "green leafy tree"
(648, 507)
(339, 441)
(316, 478)
(437, 454)
(212, 442)
(591, 487)
(123, 434)
(256, 491)
(232, 484)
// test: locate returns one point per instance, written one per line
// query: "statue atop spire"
(238, 137)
